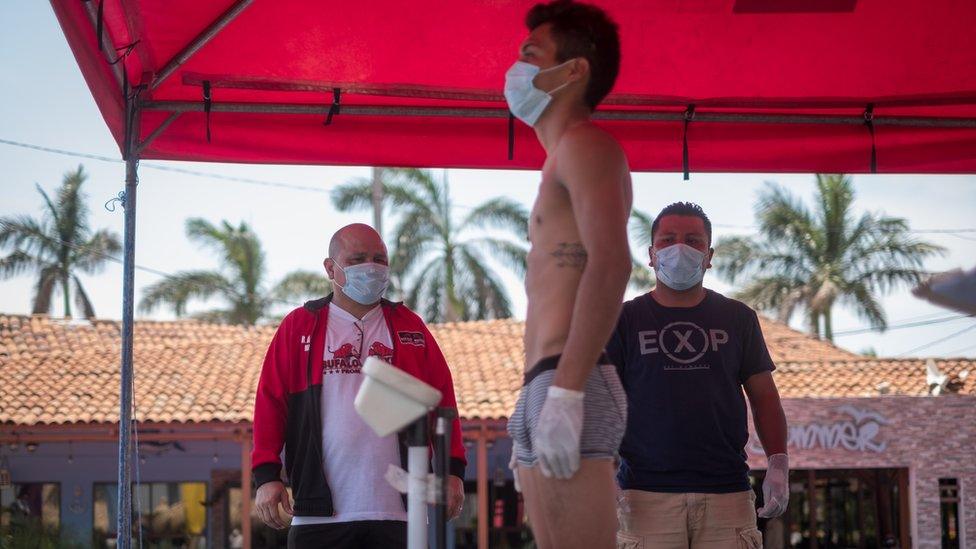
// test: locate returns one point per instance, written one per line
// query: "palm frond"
(52, 213)
(414, 185)
(72, 209)
(836, 194)
(641, 277)
(402, 189)
(28, 234)
(511, 255)
(17, 263)
(100, 248)
(784, 218)
(414, 291)
(641, 224)
(773, 293)
(207, 234)
(354, 195)
(867, 307)
(481, 290)
(299, 286)
(500, 213)
(412, 238)
(177, 290)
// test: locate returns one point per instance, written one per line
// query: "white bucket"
(390, 399)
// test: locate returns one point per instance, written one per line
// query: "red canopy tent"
(777, 85)
(705, 85)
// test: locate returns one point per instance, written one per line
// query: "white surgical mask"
(365, 283)
(526, 101)
(680, 266)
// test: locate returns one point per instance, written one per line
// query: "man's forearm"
(598, 300)
(770, 422)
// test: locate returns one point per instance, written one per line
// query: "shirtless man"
(578, 268)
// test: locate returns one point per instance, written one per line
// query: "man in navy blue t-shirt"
(684, 354)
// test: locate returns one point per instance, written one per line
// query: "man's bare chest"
(552, 209)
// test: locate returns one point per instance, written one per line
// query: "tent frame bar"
(201, 40)
(470, 112)
(157, 132)
(106, 45)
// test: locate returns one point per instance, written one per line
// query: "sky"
(44, 101)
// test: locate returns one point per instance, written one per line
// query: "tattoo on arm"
(570, 254)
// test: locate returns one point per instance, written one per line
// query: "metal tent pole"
(124, 525)
(418, 463)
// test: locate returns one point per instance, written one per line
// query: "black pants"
(361, 534)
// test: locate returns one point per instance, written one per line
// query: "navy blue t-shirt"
(683, 370)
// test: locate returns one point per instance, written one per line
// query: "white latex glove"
(513, 465)
(557, 436)
(776, 487)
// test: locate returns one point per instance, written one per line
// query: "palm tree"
(641, 276)
(438, 263)
(240, 284)
(815, 259)
(58, 246)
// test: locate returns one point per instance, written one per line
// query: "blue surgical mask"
(680, 266)
(526, 101)
(365, 283)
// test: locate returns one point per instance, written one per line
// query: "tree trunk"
(67, 296)
(828, 325)
(450, 310)
(814, 325)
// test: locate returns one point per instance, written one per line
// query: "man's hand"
(776, 487)
(455, 496)
(266, 501)
(557, 438)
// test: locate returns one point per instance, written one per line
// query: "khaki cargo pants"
(653, 520)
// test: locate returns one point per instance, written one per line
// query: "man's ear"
(650, 255)
(708, 258)
(329, 265)
(579, 69)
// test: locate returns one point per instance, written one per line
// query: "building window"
(172, 514)
(31, 510)
(949, 504)
(838, 508)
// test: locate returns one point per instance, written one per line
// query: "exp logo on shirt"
(682, 342)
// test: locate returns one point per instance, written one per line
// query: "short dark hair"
(683, 208)
(582, 30)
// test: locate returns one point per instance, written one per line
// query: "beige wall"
(934, 437)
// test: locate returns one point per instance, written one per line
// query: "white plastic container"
(390, 399)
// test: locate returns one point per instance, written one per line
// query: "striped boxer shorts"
(604, 412)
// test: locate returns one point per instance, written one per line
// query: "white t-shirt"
(355, 458)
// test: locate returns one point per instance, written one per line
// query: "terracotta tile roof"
(54, 372)
(487, 362)
(871, 377)
(61, 372)
(788, 345)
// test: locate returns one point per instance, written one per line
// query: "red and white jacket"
(287, 410)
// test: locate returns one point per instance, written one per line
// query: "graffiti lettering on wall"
(859, 433)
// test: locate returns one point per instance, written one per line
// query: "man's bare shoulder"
(587, 140)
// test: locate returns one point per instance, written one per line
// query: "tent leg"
(124, 540)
